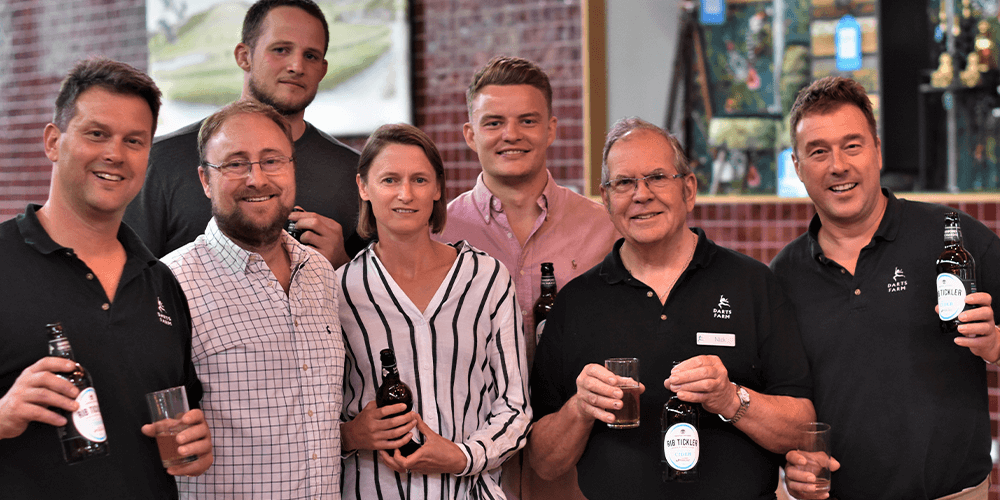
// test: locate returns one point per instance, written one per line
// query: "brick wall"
(40, 40)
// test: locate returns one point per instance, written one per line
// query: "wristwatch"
(744, 404)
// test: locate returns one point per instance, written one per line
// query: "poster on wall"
(367, 84)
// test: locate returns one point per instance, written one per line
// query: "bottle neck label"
(87, 419)
(951, 291)
(60, 347)
(680, 446)
(951, 234)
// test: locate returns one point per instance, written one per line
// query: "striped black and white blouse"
(463, 358)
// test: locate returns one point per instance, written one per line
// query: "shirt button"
(509, 235)
(105, 306)
(522, 272)
(310, 413)
(524, 313)
(843, 271)
(315, 456)
(857, 292)
(649, 294)
(90, 276)
(305, 367)
(69, 253)
(296, 322)
(663, 317)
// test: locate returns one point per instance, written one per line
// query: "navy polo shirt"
(607, 313)
(137, 344)
(908, 407)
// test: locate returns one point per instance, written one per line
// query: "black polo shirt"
(606, 313)
(137, 344)
(908, 407)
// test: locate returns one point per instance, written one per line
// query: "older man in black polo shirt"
(656, 296)
(907, 403)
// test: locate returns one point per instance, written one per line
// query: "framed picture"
(191, 45)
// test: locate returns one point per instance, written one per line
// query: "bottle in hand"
(956, 276)
(679, 430)
(393, 391)
(83, 437)
(546, 299)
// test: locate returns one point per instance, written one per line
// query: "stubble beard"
(238, 227)
(262, 96)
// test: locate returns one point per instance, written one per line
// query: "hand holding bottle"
(378, 428)
(436, 455)
(35, 391)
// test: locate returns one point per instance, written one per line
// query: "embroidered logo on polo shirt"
(162, 313)
(898, 283)
(722, 311)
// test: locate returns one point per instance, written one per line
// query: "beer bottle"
(545, 300)
(956, 276)
(680, 433)
(83, 437)
(394, 391)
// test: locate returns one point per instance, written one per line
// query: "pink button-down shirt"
(573, 232)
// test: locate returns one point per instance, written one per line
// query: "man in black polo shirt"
(73, 261)
(907, 403)
(666, 293)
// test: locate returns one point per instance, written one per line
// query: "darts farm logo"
(161, 312)
(898, 283)
(722, 310)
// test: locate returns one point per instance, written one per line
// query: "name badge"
(717, 339)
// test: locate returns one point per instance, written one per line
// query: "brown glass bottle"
(546, 299)
(83, 437)
(393, 391)
(680, 433)
(956, 276)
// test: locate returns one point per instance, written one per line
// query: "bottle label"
(87, 419)
(680, 446)
(539, 328)
(951, 296)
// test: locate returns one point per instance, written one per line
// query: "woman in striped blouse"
(450, 315)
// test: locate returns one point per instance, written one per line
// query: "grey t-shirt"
(172, 209)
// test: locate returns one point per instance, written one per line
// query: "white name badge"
(717, 339)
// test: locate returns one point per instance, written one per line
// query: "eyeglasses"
(628, 185)
(237, 169)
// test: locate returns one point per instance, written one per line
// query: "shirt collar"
(238, 260)
(488, 204)
(613, 269)
(36, 237)
(887, 230)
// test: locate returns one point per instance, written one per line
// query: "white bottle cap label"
(680, 446)
(951, 296)
(87, 419)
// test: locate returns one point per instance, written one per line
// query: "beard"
(286, 109)
(240, 228)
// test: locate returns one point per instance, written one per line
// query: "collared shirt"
(138, 343)
(915, 405)
(463, 358)
(272, 366)
(724, 304)
(572, 232)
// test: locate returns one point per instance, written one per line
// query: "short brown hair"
(212, 124)
(114, 76)
(408, 135)
(623, 127)
(253, 21)
(828, 93)
(508, 70)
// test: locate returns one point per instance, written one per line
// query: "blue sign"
(848, 43)
(712, 12)
(789, 185)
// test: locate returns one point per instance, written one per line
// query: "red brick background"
(40, 40)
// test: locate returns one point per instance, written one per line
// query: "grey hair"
(625, 126)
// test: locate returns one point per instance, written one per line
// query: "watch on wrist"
(744, 404)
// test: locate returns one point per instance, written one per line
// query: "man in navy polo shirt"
(907, 403)
(667, 293)
(73, 261)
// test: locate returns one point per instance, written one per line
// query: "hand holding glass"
(814, 444)
(628, 416)
(166, 408)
